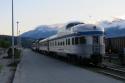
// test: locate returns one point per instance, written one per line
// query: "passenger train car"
(76, 40)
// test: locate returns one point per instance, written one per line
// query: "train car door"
(96, 45)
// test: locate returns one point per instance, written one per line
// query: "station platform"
(35, 68)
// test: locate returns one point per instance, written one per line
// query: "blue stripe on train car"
(81, 33)
(91, 33)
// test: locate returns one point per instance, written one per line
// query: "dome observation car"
(88, 29)
(72, 24)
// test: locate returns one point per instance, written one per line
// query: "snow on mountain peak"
(115, 28)
(41, 31)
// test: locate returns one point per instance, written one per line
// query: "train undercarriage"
(95, 59)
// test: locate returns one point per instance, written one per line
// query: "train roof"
(87, 27)
(49, 38)
(81, 27)
(75, 27)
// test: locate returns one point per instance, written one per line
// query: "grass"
(17, 54)
(0, 68)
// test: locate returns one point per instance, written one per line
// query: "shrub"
(17, 53)
(5, 44)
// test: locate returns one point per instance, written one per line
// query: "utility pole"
(12, 33)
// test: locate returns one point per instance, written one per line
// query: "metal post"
(12, 34)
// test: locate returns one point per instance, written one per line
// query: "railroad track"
(111, 71)
(117, 73)
(113, 75)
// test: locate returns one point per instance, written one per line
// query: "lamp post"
(12, 33)
(19, 39)
(17, 34)
(17, 27)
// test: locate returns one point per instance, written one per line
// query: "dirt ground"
(6, 72)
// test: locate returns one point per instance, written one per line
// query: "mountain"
(41, 31)
(115, 28)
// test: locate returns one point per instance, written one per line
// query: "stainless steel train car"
(76, 40)
(35, 45)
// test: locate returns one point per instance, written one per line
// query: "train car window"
(52, 43)
(68, 41)
(76, 40)
(44, 43)
(73, 41)
(82, 40)
(73, 24)
(49, 43)
(63, 43)
(55, 43)
(58, 43)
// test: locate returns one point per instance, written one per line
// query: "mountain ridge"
(41, 31)
(115, 28)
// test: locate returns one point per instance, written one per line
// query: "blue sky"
(31, 13)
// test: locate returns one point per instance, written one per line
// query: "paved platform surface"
(35, 68)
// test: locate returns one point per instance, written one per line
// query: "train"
(75, 41)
